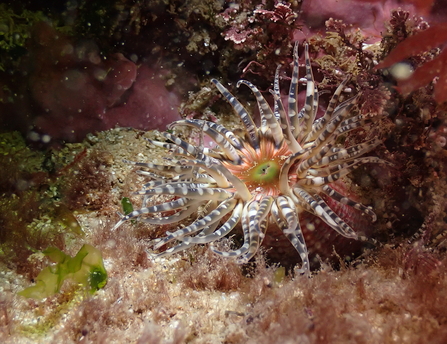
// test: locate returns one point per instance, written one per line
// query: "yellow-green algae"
(86, 269)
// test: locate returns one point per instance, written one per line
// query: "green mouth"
(265, 172)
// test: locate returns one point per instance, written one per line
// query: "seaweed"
(86, 269)
(419, 44)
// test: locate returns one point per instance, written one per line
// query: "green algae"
(86, 269)
(15, 30)
(127, 205)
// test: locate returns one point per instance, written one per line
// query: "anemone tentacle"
(248, 122)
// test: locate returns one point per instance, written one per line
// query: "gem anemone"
(268, 176)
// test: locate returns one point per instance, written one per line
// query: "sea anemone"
(269, 175)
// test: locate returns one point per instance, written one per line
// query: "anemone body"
(271, 175)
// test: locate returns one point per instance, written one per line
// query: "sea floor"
(393, 294)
